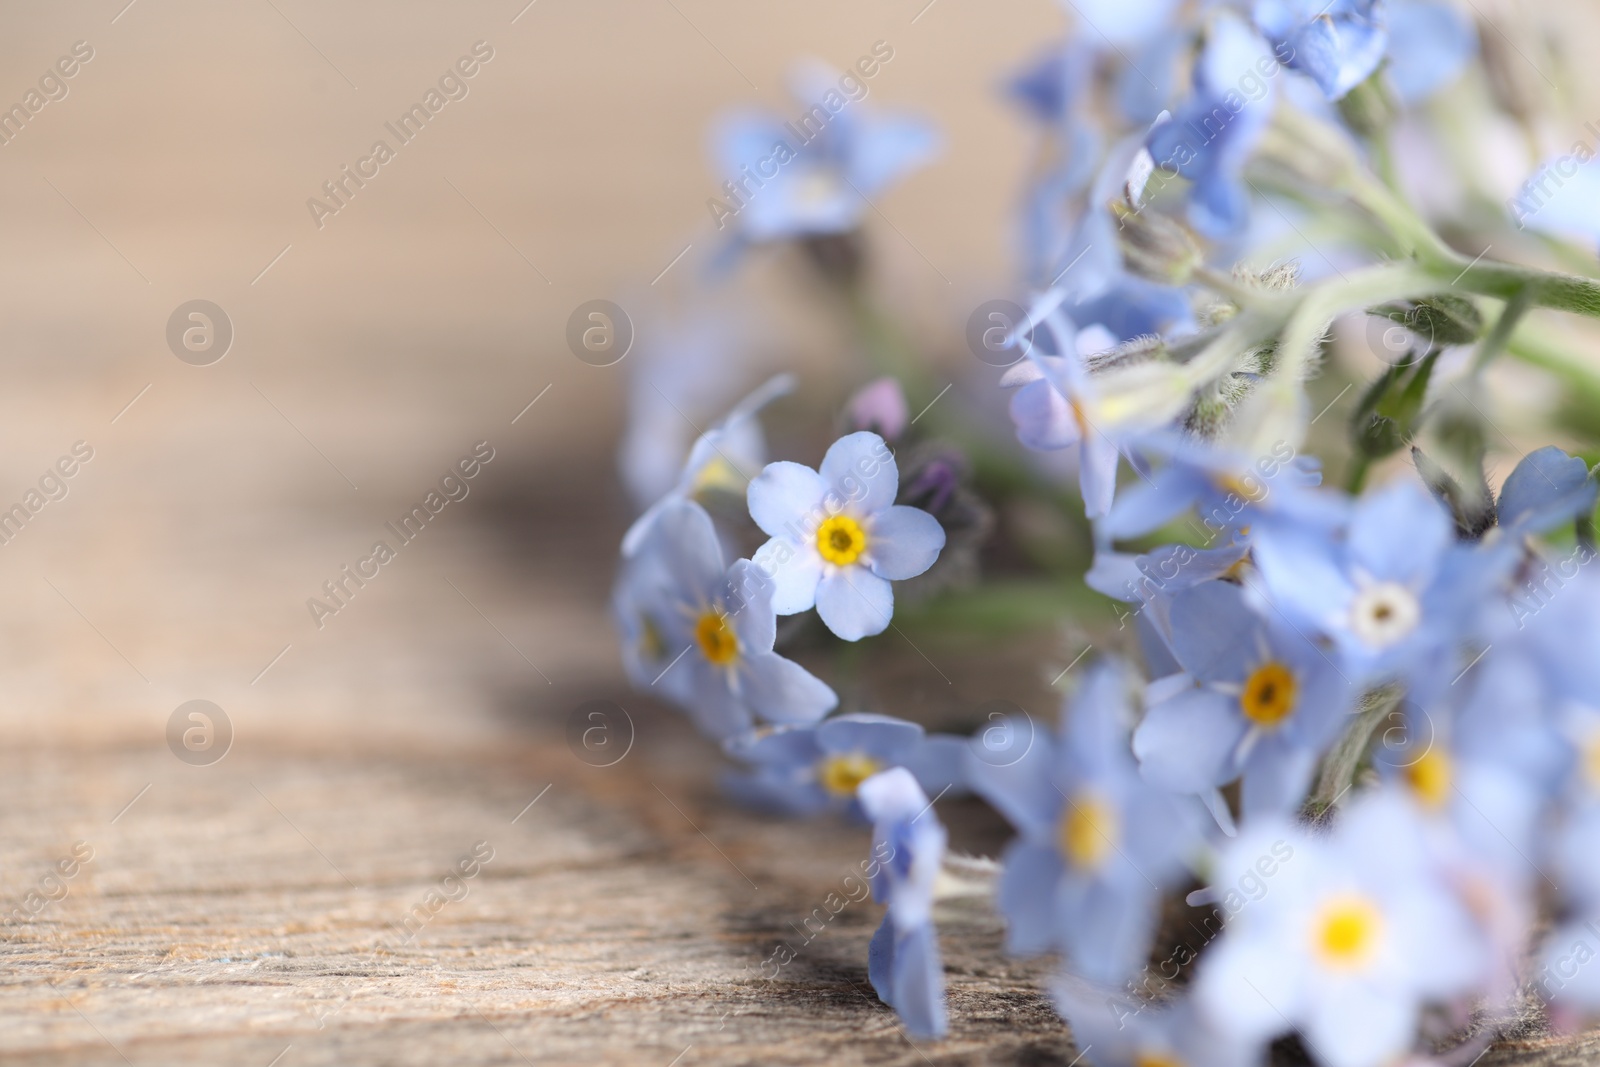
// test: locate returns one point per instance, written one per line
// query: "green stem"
(1500, 336)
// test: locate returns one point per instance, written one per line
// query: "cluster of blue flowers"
(1360, 725)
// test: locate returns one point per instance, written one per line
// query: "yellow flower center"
(1346, 932)
(1269, 693)
(652, 646)
(1088, 831)
(841, 540)
(716, 638)
(1158, 1058)
(1591, 760)
(717, 473)
(1430, 777)
(841, 773)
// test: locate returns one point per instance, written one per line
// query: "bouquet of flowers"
(1350, 702)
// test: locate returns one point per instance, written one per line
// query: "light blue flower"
(1097, 844)
(1394, 590)
(1054, 408)
(1337, 43)
(805, 770)
(1053, 91)
(1228, 489)
(1254, 703)
(834, 157)
(1546, 489)
(719, 459)
(838, 538)
(1214, 132)
(903, 958)
(1430, 43)
(714, 626)
(1113, 24)
(1346, 941)
(1112, 1031)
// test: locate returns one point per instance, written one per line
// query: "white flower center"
(1384, 613)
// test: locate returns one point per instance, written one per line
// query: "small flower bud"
(1155, 246)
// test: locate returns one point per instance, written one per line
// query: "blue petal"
(1097, 473)
(785, 500)
(904, 542)
(779, 794)
(1027, 897)
(786, 747)
(855, 603)
(1213, 632)
(1546, 489)
(883, 736)
(860, 469)
(1400, 533)
(747, 600)
(1430, 43)
(1186, 744)
(1043, 417)
(888, 147)
(1121, 22)
(689, 548)
(781, 690)
(939, 763)
(795, 571)
(1276, 776)
(1107, 928)
(919, 982)
(1010, 764)
(880, 962)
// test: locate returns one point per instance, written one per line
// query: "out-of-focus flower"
(720, 459)
(1346, 941)
(1114, 1032)
(879, 406)
(1097, 843)
(1546, 489)
(1212, 134)
(1338, 43)
(815, 175)
(1562, 198)
(1055, 407)
(903, 958)
(1053, 91)
(1430, 43)
(1253, 703)
(804, 770)
(1115, 23)
(838, 538)
(1394, 591)
(715, 626)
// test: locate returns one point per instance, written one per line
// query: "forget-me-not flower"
(1338, 43)
(807, 769)
(837, 536)
(816, 174)
(1547, 488)
(1254, 703)
(1350, 938)
(1097, 842)
(1214, 132)
(903, 958)
(719, 459)
(715, 627)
